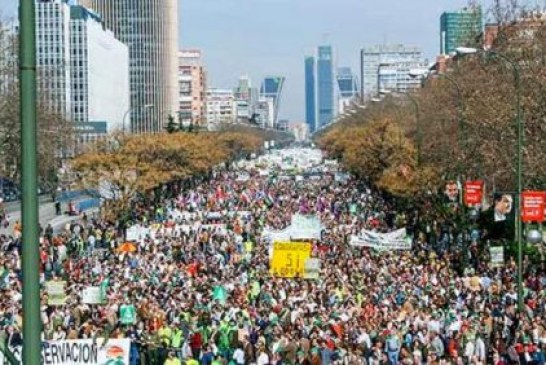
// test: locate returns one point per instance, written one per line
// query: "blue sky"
(262, 37)
(271, 37)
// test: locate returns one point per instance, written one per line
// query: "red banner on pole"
(532, 206)
(473, 192)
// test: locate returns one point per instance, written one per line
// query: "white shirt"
(263, 359)
(239, 356)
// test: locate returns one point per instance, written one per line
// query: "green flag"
(127, 314)
(219, 293)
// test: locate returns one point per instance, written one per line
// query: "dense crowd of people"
(197, 288)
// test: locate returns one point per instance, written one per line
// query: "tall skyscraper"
(388, 67)
(150, 29)
(53, 55)
(325, 85)
(76, 76)
(192, 84)
(271, 89)
(310, 94)
(459, 28)
(348, 87)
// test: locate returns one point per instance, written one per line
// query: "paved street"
(46, 212)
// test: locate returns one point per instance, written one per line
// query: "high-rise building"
(265, 112)
(459, 28)
(100, 87)
(53, 55)
(310, 94)
(388, 67)
(76, 77)
(271, 89)
(150, 29)
(220, 107)
(246, 98)
(348, 88)
(192, 85)
(325, 86)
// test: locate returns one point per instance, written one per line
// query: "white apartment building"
(221, 107)
(387, 67)
(192, 87)
(100, 87)
(83, 70)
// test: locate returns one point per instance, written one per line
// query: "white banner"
(79, 352)
(137, 233)
(92, 295)
(305, 227)
(396, 240)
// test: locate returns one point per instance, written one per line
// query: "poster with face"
(498, 221)
(451, 191)
(502, 206)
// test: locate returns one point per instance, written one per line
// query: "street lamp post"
(519, 157)
(29, 183)
(147, 106)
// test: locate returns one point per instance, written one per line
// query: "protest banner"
(56, 294)
(92, 295)
(312, 269)
(396, 240)
(533, 204)
(273, 236)
(288, 259)
(80, 352)
(305, 227)
(473, 193)
(497, 256)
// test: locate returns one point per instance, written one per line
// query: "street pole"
(519, 170)
(124, 117)
(29, 183)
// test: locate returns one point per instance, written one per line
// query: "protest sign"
(137, 233)
(305, 227)
(56, 294)
(396, 240)
(92, 295)
(473, 192)
(288, 259)
(497, 256)
(533, 204)
(80, 352)
(311, 269)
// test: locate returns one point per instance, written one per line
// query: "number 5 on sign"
(288, 259)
